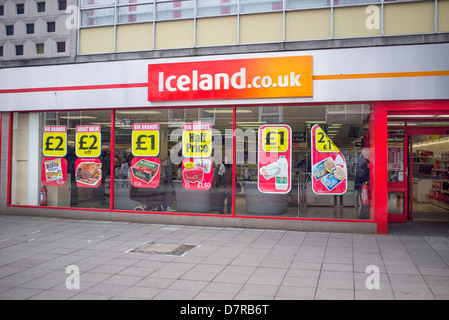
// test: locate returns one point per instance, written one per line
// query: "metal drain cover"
(175, 249)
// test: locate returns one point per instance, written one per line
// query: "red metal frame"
(430, 107)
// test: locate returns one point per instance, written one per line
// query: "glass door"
(397, 178)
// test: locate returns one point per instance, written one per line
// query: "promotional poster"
(329, 171)
(275, 157)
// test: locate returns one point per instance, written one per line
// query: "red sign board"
(231, 79)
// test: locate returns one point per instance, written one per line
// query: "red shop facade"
(291, 141)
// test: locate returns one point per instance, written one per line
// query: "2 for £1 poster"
(329, 171)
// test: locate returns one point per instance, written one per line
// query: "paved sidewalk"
(226, 264)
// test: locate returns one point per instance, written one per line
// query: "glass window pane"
(135, 13)
(134, 1)
(301, 4)
(174, 10)
(97, 17)
(168, 191)
(78, 184)
(354, 2)
(216, 7)
(347, 126)
(96, 2)
(260, 5)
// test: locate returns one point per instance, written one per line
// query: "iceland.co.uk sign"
(231, 79)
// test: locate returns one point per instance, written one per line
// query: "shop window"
(175, 182)
(45, 152)
(268, 190)
(182, 159)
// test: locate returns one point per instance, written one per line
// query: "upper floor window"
(179, 9)
(9, 30)
(41, 7)
(216, 7)
(20, 8)
(62, 4)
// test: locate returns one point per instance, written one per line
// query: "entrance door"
(429, 181)
(397, 178)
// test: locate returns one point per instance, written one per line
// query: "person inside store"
(223, 181)
(361, 178)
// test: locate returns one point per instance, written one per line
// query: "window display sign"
(88, 172)
(197, 140)
(197, 174)
(395, 159)
(145, 172)
(145, 140)
(88, 141)
(55, 141)
(275, 156)
(329, 172)
(54, 171)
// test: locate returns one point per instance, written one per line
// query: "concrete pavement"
(40, 259)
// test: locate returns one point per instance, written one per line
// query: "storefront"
(297, 140)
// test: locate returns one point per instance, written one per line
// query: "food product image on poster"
(145, 172)
(274, 159)
(197, 174)
(329, 171)
(88, 172)
(54, 171)
(197, 140)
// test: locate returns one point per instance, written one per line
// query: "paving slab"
(220, 263)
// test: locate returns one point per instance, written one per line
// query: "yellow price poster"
(197, 140)
(145, 140)
(275, 139)
(55, 141)
(323, 143)
(88, 141)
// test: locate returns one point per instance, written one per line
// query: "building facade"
(293, 114)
